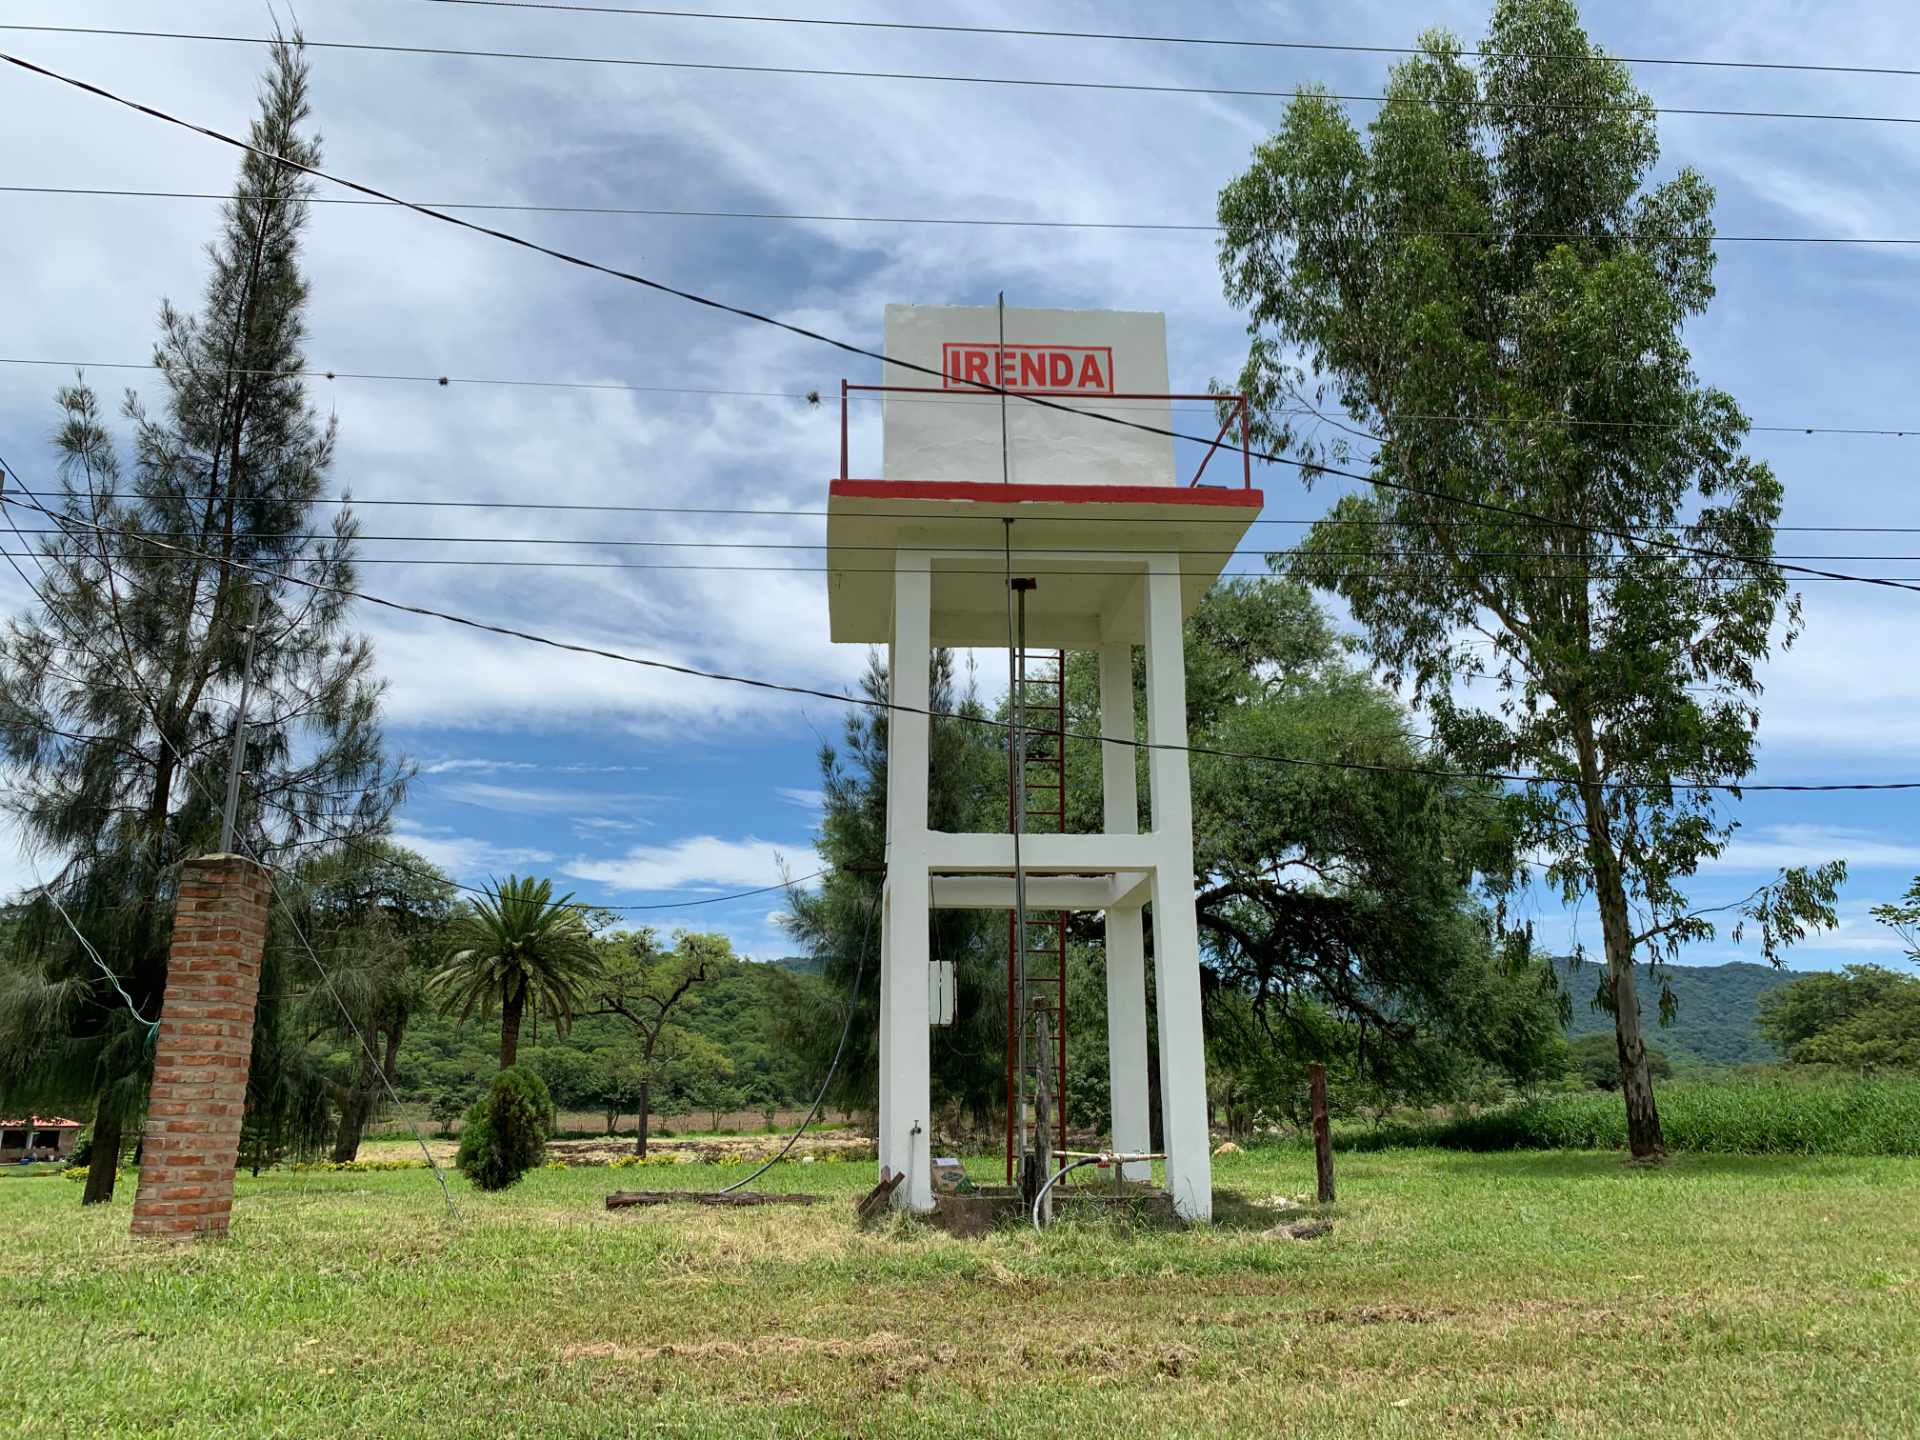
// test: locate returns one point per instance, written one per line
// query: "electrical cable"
(1556, 107)
(1093, 551)
(968, 519)
(1567, 575)
(1057, 1177)
(755, 682)
(724, 307)
(41, 885)
(1237, 42)
(985, 222)
(833, 1066)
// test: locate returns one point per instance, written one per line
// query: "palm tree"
(519, 946)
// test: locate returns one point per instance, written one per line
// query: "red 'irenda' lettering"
(1046, 369)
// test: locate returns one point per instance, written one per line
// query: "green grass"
(1774, 1114)
(1530, 1293)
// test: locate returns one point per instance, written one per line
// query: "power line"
(775, 514)
(814, 397)
(1549, 568)
(1095, 552)
(315, 373)
(1241, 43)
(1018, 82)
(780, 687)
(653, 212)
(848, 347)
(989, 222)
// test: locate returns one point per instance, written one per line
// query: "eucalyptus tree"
(1564, 553)
(518, 948)
(168, 578)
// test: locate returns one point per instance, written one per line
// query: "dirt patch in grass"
(880, 1343)
(720, 1150)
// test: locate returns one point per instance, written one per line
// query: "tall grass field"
(1769, 1114)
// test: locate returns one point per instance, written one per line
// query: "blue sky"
(637, 787)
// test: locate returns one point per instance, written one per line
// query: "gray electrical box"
(941, 995)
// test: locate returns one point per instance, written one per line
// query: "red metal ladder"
(1043, 696)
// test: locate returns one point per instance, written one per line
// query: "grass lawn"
(1531, 1293)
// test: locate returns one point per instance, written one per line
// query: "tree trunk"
(354, 1111)
(640, 1139)
(1644, 1139)
(510, 1012)
(104, 1164)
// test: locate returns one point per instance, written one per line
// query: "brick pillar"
(200, 1057)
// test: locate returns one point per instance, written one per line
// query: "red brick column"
(200, 1058)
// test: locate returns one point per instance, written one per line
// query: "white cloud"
(465, 856)
(699, 862)
(1773, 847)
(805, 799)
(542, 800)
(449, 767)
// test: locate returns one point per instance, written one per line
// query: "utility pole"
(231, 814)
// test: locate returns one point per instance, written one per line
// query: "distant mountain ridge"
(1718, 1004)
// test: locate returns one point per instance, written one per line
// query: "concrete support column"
(1176, 934)
(906, 1101)
(203, 1048)
(1126, 940)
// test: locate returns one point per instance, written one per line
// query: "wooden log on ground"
(621, 1199)
(875, 1200)
(1322, 1132)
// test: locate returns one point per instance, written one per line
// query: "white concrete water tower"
(977, 487)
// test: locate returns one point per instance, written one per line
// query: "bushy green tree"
(376, 914)
(1490, 289)
(1354, 893)
(505, 1133)
(444, 1108)
(1864, 1017)
(645, 986)
(116, 694)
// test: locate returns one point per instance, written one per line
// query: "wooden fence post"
(1322, 1132)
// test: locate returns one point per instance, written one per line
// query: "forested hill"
(1717, 1007)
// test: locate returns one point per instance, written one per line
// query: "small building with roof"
(38, 1137)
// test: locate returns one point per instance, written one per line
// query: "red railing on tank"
(1238, 414)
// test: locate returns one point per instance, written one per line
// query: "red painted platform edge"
(994, 493)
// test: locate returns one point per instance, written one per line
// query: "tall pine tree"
(118, 693)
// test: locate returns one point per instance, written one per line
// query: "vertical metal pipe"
(999, 369)
(230, 816)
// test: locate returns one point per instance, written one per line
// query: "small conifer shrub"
(505, 1131)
